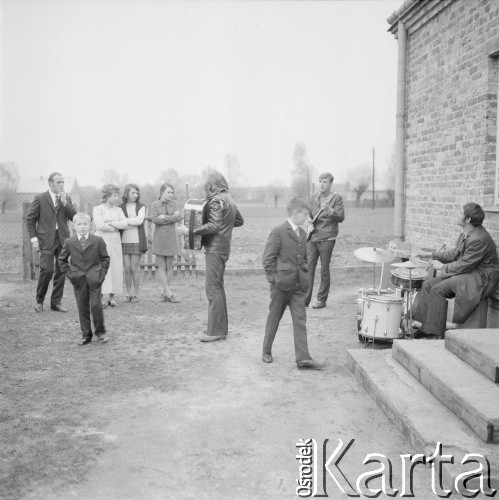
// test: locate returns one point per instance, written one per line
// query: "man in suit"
(327, 211)
(470, 273)
(48, 228)
(285, 264)
(86, 270)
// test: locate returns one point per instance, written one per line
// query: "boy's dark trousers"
(88, 300)
(279, 300)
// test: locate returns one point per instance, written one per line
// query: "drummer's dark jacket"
(285, 258)
(474, 261)
(220, 216)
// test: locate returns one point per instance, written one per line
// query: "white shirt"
(294, 227)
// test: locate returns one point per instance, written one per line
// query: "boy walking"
(86, 270)
(285, 264)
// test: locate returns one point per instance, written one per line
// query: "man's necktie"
(83, 243)
(57, 203)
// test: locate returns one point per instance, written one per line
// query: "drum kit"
(386, 314)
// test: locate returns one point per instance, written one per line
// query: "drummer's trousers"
(431, 309)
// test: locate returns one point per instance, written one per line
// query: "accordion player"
(194, 213)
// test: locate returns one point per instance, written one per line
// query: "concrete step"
(467, 393)
(418, 415)
(478, 347)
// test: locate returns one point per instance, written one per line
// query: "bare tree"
(170, 176)
(9, 182)
(232, 170)
(112, 176)
(300, 175)
(276, 189)
(360, 178)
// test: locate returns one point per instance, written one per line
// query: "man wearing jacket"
(220, 217)
(47, 223)
(470, 273)
(327, 212)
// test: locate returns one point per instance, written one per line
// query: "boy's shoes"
(319, 305)
(267, 358)
(134, 298)
(419, 334)
(212, 338)
(58, 308)
(310, 364)
(112, 303)
(103, 339)
(38, 308)
(85, 340)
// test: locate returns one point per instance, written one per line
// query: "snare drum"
(382, 315)
(400, 278)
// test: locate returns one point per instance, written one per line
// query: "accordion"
(193, 218)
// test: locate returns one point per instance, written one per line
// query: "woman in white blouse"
(133, 239)
(109, 219)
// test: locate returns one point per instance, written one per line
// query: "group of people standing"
(96, 263)
(120, 239)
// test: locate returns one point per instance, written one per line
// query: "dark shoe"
(267, 358)
(419, 334)
(58, 308)
(85, 340)
(212, 338)
(310, 364)
(38, 308)
(319, 305)
(170, 298)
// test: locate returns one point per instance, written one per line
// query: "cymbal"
(408, 264)
(375, 255)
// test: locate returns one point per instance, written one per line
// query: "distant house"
(31, 186)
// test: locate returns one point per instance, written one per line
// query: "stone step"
(418, 415)
(467, 393)
(478, 347)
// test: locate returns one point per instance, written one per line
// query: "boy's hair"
(163, 187)
(328, 176)
(126, 191)
(297, 204)
(475, 212)
(82, 216)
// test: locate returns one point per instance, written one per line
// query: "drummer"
(469, 272)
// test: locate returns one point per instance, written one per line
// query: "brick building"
(446, 117)
(450, 91)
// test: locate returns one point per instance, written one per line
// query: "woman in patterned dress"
(165, 212)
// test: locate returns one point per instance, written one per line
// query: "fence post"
(28, 267)
(187, 190)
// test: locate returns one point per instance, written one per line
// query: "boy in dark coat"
(86, 270)
(285, 264)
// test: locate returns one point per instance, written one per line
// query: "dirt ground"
(157, 414)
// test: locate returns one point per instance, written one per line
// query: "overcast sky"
(142, 86)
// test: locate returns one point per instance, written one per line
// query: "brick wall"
(451, 103)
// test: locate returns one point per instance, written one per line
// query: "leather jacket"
(219, 217)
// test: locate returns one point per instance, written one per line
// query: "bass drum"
(361, 299)
(382, 316)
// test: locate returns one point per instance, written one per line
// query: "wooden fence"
(182, 264)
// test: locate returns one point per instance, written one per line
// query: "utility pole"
(373, 180)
